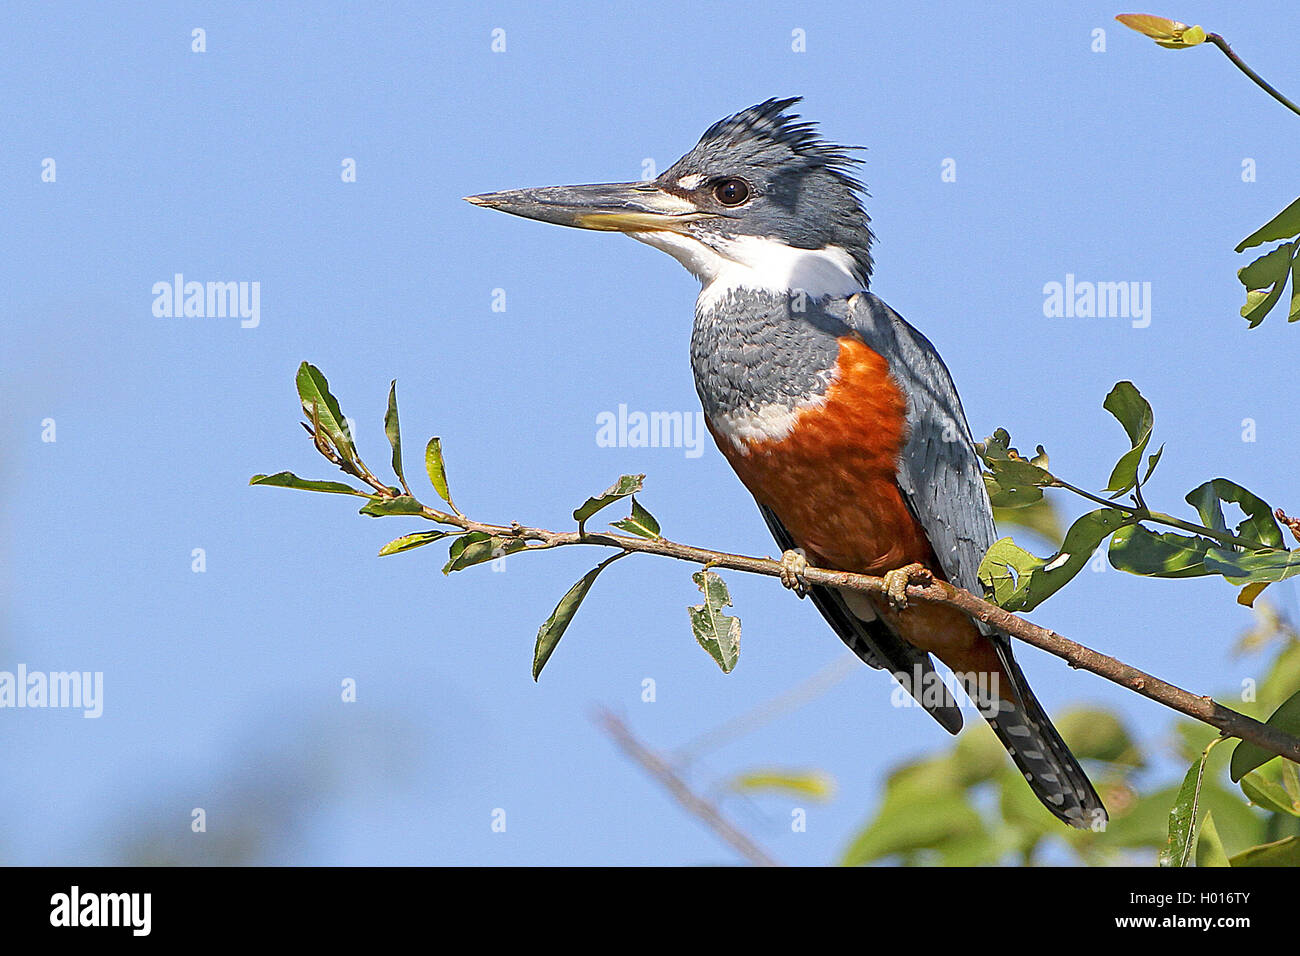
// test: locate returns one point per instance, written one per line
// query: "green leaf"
(322, 409)
(626, 485)
(1133, 411)
(716, 632)
(433, 464)
(408, 542)
(803, 783)
(549, 634)
(1282, 853)
(1266, 794)
(641, 522)
(382, 507)
(1247, 756)
(1259, 524)
(1182, 816)
(1246, 567)
(287, 479)
(1020, 581)
(1137, 550)
(1209, 848)
(1012, 480)
(477, 547)
(1265, 281)
(394, 432)
(1282, 226)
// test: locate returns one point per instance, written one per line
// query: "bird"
(837, 415)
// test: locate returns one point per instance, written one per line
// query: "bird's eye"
(732, 192)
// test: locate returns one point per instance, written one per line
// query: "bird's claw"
(896, 583)
(793, 564)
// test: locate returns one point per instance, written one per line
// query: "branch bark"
(1229, 722)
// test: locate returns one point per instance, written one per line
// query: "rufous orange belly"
(831, 481)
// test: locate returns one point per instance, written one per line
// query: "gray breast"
(759, 356)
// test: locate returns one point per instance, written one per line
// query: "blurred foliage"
(969, 806)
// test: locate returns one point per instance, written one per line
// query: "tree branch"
(698, 806)
(1229, 722)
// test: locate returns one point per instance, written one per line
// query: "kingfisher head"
(761, 202)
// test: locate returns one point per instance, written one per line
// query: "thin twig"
(1259, 81)
(704, 810)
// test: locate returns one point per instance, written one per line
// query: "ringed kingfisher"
(837, 415)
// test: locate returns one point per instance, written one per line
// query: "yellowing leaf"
(806, 783)
(1168, 33)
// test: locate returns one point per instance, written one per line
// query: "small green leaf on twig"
(1013, 481)
(1282, 226)
(641, 522)
(1259, 525)
(322, 408)
(478, 546)
(1265, 280)
(1138, 550)
(383, 507)
(287, 479)
(1133, 411)
(1251, 567)
(1167, 33)
(626, 485)
(716, 632)
(394, 432)
(437, 470)
(549, 634)
(1248, 756)
(408, 542)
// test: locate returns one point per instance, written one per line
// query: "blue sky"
(222, 687)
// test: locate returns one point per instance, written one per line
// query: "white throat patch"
(757, 263)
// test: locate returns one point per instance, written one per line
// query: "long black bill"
(612, 207)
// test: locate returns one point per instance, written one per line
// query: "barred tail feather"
(1041, 755)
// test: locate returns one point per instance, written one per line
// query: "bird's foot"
(896, 583)
(793, 564)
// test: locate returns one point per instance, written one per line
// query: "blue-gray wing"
(939, 472)
(940, 477)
